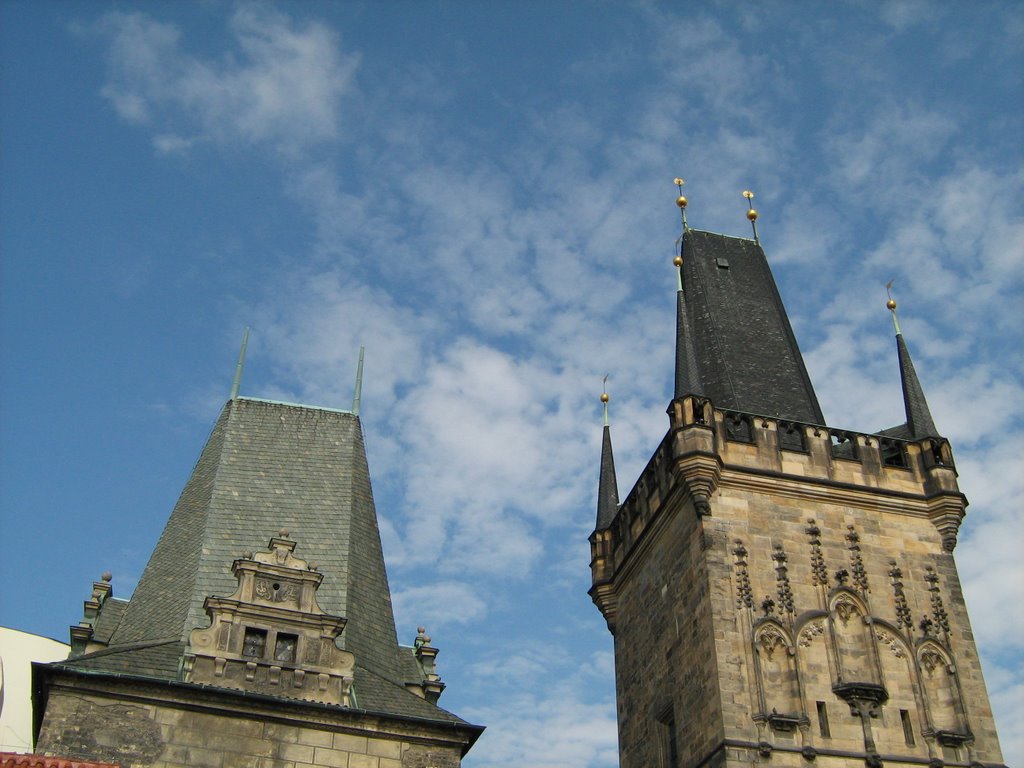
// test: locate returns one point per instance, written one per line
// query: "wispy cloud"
(282, 85)
(495, 282)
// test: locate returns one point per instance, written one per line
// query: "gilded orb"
(752, 214)
(604, 397)
(890, 304)
(678, 261)
(681, 201)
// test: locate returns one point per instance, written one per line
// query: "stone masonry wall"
(666, 670)
(766, 525)
(152, 735)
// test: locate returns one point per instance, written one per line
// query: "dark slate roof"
(744, 354)
(687, 375)
(607, 487)
(268, 466)
(111, 613)
(919, 418)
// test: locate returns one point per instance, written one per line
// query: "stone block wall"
(146, 733)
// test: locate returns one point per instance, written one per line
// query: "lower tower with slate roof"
(261, 632)
(780, 591)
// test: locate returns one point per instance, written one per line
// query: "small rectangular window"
(908, 727)
(284, 650)
(823, 728)
(255, 643)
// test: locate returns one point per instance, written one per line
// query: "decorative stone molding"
(271, 636)
(431, 686)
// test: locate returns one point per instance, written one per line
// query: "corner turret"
(607, 486)
(919, 418)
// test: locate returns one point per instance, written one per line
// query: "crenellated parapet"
(707, 448)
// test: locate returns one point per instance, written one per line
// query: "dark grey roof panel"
(607, 486)
(687, 375)
(746, 354)
(111, 613)
(158, 659)
(919, 417)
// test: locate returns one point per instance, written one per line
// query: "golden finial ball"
(681, 201)
(890, 304)
(678, 261)
(752, 214)
(604, 397)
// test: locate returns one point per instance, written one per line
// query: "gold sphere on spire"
(752, 214)
(678, 261)
(681, 201)
(891, 304)
(604, 397)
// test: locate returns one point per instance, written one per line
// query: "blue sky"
(481, 194)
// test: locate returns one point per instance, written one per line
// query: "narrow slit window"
(823, 728)
(908, 727)
(669, 747)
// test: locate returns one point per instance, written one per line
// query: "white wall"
(17, 652)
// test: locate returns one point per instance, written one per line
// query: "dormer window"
(255, 643)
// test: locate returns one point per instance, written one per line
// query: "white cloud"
(493, 287)
(438, 605)
(284, 87)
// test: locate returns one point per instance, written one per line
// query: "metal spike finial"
(357, 395)
(751, 213)
(241, 364)
(605, 397)
(681, 201)
(891, 304)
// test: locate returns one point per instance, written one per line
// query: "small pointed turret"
(687, 379)
(919, 418)
(607, 486)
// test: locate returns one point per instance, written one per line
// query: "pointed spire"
(358, 394)
(687, 381)
(241, 364)
(607, 486)
(919, 418)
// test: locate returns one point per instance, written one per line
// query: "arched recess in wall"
(848, 617)
(940, 689)
(903, 718)
(775, 657)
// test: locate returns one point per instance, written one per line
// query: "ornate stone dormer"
(430, 687)
(271, 636)
(82, 633)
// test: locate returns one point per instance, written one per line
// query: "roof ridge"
(295, 405)
(121, 648)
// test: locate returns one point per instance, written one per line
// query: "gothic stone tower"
(232, 652)
(780, 591)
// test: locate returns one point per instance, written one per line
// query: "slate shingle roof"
(266, 467)
(919, 417)
(734, 340)
(607, 486)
